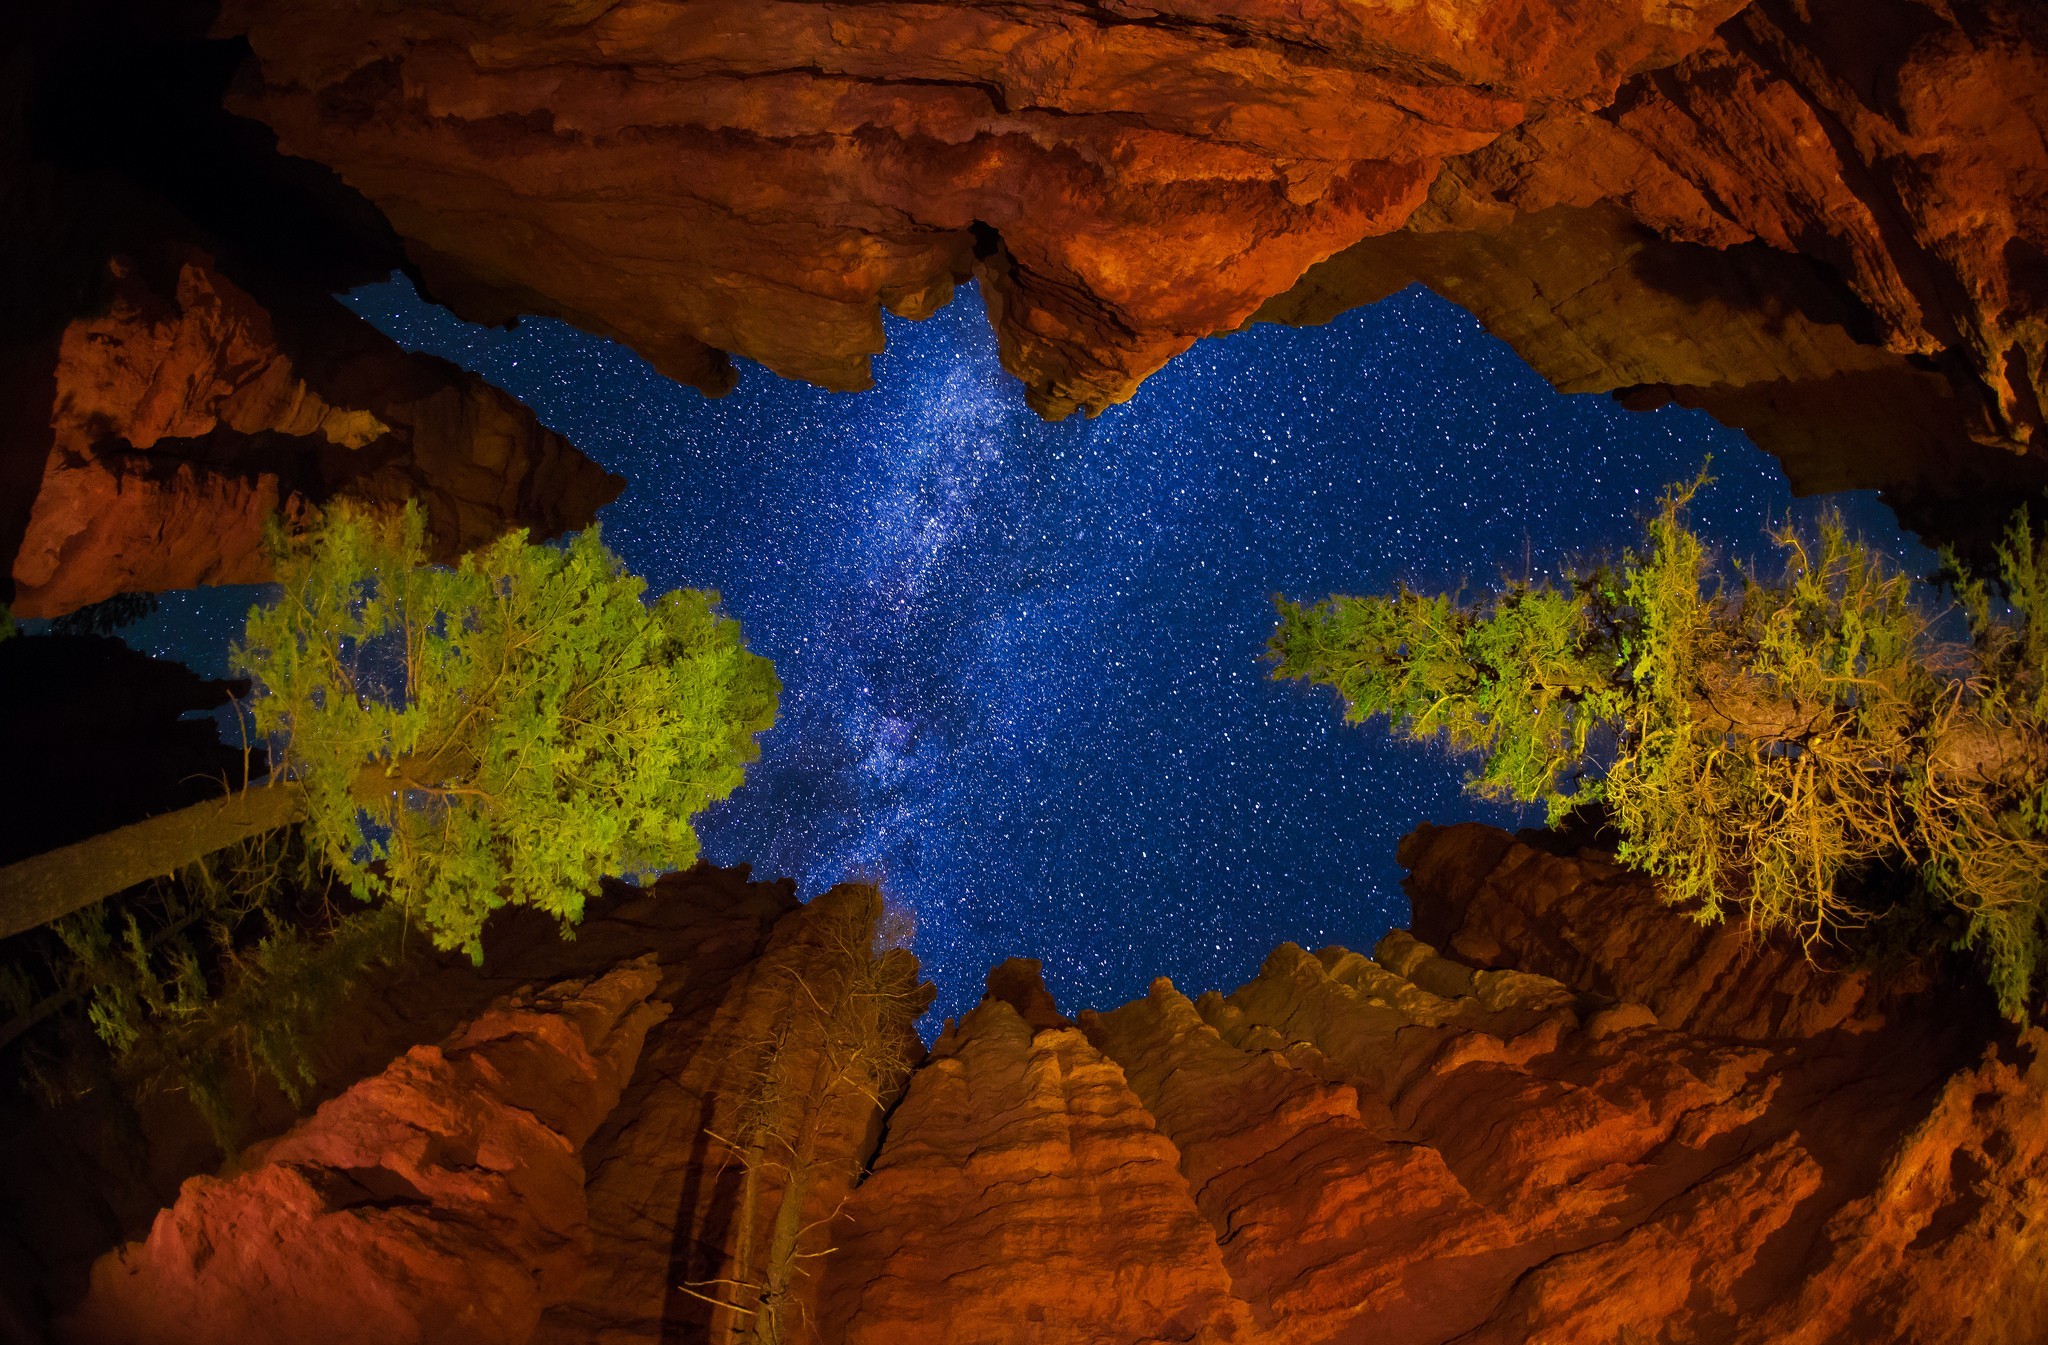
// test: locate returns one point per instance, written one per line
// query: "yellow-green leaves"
(1517, 679)
(503, 732)
(1781, 749)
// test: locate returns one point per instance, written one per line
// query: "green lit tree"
(457, 739)
(1778, 746)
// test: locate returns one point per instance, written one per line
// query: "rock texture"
(80, 1180)
(172, 366)
(1025, 1194)
(698, 178)
(1825, 227)
(1824, 221)
(1584, 1120)
(1413, 1148)
(179, 423)
(441, 1200)
(682, 1226)
(1494, 901)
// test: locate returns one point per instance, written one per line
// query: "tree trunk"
(57, 882)
(49, 886)
(778, 1268)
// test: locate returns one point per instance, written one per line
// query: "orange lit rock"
(1826, 227)
(1422, 1147)
(441, 1200)
(1497, 902)
(762, 178)
(179, 424)
(1024, 1193)
(666, 1183)
(1414, 1148)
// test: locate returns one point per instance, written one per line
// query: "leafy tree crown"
(502, 732)
(1781, 745)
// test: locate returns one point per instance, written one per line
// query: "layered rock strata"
(729, 176)
(179, 424)
(1826, 227)
(1025, 1193)
(442, 1199)
(744, 1134)
(85, 1177)
(1822, 222)
(1682, 1140)
(173, 368)
(1407, 1148)
(1495, 901)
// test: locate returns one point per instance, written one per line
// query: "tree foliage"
(503, 732)
(226, 970)
(446, 741)
(1775, 745)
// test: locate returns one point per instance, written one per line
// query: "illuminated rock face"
(1684, 1140)
(181, 418)
(759, 178)
(440, 1200)
(1406, 1148)
(1827, 227)
(1823, 222)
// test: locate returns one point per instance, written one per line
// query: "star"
(1022, 660)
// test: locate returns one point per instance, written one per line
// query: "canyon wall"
(178, 426)
(1826, 227)
(1585, 1119)
(1824, 221)
(84, 1177)
(173, 368)
(732, 176)
(442, 1199)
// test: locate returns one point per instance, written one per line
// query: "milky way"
(1022, 661)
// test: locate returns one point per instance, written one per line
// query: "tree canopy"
(444, 741)
(503, 732)
(1793, 747)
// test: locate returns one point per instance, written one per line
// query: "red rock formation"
(1825, 227)
(75, 1184)
(440, 1200)
(1025, 1194)
(1824, 223)
(1411, 1147)
(760, 178)
(1493, 901)
(756, 1064)
(179, 424)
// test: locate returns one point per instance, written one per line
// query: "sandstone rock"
(1427, 1146)
(1024, 1194)
(733, 176)
(440, 1200)
(1498, 902)
(669, 1189)
(1824, 227)
(1822, 223)
(75, 1183)
(179, 424)
(1331, 1220)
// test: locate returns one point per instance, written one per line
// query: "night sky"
(1021, 661)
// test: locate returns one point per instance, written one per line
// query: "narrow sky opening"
(1022, 661)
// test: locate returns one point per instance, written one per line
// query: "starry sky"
(1021, 661)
